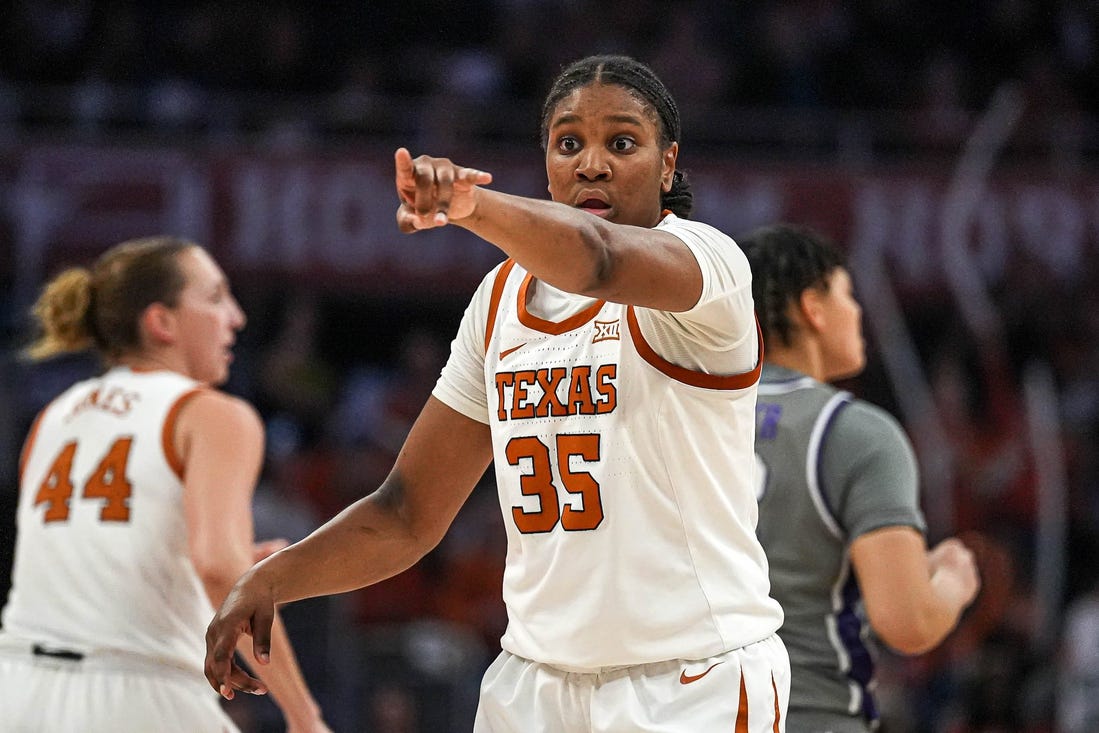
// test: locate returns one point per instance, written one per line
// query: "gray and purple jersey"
(831, 468)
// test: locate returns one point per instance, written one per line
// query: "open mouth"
(595, 206)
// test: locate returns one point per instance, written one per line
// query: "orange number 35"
(539, 482)
(108, 482)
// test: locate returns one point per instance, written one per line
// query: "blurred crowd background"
(950, 148)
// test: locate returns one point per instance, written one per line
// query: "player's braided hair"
(644, 84)
(786, 260)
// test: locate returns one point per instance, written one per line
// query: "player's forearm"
(950, 584)
(930, 614)
(363, 544)
(563, 246)
(912, 603)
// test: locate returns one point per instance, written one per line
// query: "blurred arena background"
(951, 149)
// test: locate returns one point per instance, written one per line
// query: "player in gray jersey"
(839, 513)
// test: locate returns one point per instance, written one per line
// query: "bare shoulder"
(219, 412)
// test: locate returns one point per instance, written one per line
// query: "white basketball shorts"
(746, 690)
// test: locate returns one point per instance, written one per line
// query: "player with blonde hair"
(134, 513)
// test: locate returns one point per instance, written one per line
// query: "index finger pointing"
(402, 160)
(404, 174)
(402, 164)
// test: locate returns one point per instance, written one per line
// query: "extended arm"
(913, 597)
(562, 245)
(220, 440)
(377, 537)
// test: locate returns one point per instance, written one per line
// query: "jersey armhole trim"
(497, 294)
(814, 460)
(168, 433)
(690, 376)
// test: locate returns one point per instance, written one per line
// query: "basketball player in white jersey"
(134, 512)
(609, 368)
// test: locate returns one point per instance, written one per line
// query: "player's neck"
(152, 362)
(799, 358)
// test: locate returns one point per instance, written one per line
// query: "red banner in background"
(330, 220)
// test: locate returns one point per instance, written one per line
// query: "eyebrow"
(619, 118)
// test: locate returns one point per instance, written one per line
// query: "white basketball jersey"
(101, 558)
(626, 488)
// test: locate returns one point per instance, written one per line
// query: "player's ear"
(810, 308)
(667, 169)
(158, 324)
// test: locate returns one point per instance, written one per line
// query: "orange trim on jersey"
(554, 328)
(778, 709)
(742, 711)
(25, 455)
(168, 433)
(497, 294)
(690, 376)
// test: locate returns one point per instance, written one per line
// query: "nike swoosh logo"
(505, 352)
(686, 679)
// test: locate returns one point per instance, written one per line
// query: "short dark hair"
(645, 85)
(786, 260)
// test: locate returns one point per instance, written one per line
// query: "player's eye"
(623, 144)
(568, 144)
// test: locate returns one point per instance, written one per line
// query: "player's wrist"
(265, 578)
(476, 209)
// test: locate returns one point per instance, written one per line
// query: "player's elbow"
(414, 529)
(421, 537)
(593, 268)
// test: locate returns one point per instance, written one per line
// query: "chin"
(847, 371)
(215, 378)
(855, 370)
